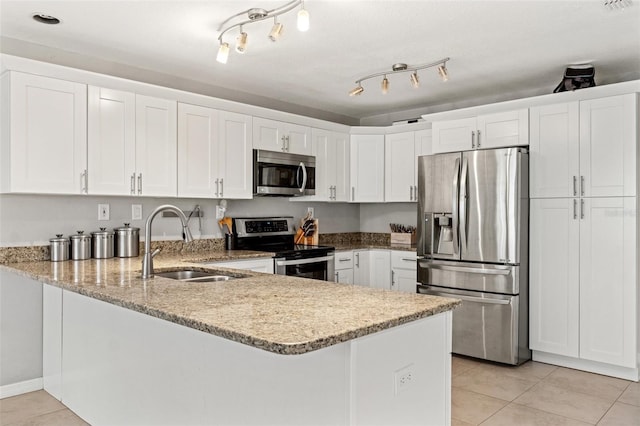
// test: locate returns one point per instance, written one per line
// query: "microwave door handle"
(455, 211)
(304, 177)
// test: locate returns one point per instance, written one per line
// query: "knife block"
(311, 240)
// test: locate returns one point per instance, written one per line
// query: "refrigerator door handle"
(468, 298)
(467, 269)
(455, 211)
(462, 220)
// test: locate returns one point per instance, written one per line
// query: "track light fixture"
(400, 68)
(256, 15)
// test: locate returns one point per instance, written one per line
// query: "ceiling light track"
(256, 15)
(401, 68)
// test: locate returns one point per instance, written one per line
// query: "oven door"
(317, 268)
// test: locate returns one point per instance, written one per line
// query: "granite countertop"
(280, 314)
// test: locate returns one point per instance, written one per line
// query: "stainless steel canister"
(80, 246)
(103, 243)
(127, 241)
(59, 248)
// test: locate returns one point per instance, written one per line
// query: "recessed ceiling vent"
(45, 19)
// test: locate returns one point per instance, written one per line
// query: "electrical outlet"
(311, 212)
(103, 211)
(403, 378)
(136, 211)
(220, 212)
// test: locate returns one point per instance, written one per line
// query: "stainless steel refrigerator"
(473, 225)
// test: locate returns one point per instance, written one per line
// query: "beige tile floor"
(482, 393)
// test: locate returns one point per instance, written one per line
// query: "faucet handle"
(156, 251)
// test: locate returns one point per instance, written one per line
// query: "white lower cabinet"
(372, 268)
(52, 340)
(344, 267)
(361, 262)
(583, 284)
(404, 271)
(264, 265)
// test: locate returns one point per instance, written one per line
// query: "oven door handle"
(281, 262)
(467, 298)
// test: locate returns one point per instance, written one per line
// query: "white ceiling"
(499, 49)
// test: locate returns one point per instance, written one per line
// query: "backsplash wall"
(377, 217)
(33, 219)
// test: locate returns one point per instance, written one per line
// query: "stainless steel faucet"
(147, 260)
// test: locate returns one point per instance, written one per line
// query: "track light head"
(415, 82)
(276, 31)
(303, 19)
(241, 42)
(385, 85)
(223, 53)
(358, 90)
(442, 70)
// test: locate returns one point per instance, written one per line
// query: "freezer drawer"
(472, 276)
(487, 326)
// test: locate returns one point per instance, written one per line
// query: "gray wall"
(20, 329)
(33, 219)
(376, 217)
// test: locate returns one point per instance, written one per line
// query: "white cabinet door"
(298, 139)
(367, 168)
(608, 146)
(399, 170)
(268, 134)
(198, 175)
(453, 135)
(380, 269)
(235, 156)
(361, 273)
(554, 287)
(502, 129)
(344, 276)
(111, 145)
(554, 155)
(324, 149)
(608, 290)
(46, 145)
(404, 280)
(343, 165)
(156, 146)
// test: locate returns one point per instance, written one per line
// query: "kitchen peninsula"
(257, 349)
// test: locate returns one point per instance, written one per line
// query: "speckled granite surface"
(280, 314)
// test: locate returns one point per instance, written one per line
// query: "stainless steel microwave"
(283, 174)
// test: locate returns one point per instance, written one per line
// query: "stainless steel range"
(276, 234)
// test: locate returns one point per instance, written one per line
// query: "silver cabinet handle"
(415, 192)
(353, 193)
(473, 139)
(284, 146)
(408, 259)
(221, 187)
(346, 259)
(575, 209)
(140, 184)
(582, 209)
(336, 277)
(335, 193)
(410, 192)
(133, 184)
(357, 260)
(575, 186)
(288, 143)
(478, 139)
(217, 187)
(84, 181)
(393, 278)
(582, 185)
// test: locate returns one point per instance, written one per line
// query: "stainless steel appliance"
(283, 174)
(276, 234)
(473, 227)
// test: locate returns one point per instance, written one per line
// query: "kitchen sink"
(195, 275)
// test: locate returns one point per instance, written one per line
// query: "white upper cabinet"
(608, 146)
(331, 150)
(214, 153)
(584, 148)
(401, 164)
(280, 136)
(554, 155)
(367, 168)
(111, 145)
(482, 132)
(235, 155)
(198, 174)
(156, 146)
(44, 135)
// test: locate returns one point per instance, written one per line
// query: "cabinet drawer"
(344, 260)
(404, 260)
